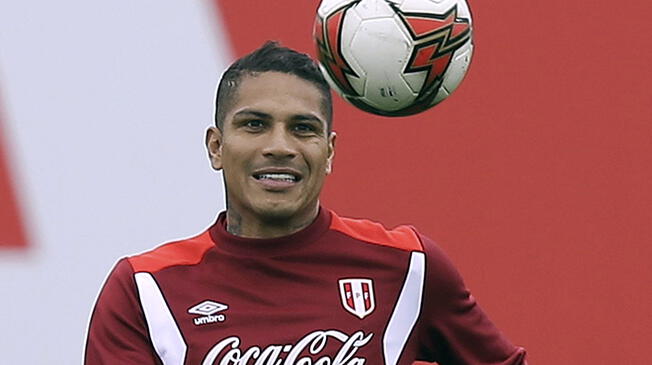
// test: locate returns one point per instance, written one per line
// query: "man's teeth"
(277, 177)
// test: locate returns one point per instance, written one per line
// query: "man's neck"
(239, 225)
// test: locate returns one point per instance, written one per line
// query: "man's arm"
(456, 331)
(117, 333)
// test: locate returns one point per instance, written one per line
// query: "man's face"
(274, 149)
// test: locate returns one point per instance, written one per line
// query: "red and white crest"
(358, 296)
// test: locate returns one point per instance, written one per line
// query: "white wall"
(105, 107)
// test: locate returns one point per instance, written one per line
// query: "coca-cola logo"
(228, 351)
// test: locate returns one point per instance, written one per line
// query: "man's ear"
(331, 152)
(214, 147)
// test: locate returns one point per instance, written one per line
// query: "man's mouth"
(277, 178)
(282, 177)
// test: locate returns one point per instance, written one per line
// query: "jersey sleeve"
(118, 333)
(455, 330)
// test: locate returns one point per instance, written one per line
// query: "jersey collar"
(242, 246)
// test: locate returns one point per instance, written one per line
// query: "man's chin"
(282, 212)
(277, 212)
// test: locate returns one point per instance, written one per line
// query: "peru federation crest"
(357, 296)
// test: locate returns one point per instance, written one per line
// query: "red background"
(534, 176)
(12, 232)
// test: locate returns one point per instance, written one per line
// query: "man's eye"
(254, 123)
(304, 128)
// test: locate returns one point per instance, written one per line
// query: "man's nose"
(280, 144)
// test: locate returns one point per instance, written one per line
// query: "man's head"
(272, 141)
(270, 57)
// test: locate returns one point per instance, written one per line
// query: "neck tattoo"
(234, 223)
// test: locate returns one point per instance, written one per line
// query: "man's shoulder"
(188, 251)
(403, 237)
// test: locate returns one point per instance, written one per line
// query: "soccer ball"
(394, 57)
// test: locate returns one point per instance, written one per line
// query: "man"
(278, 279)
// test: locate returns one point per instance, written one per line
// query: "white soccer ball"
(394, 57)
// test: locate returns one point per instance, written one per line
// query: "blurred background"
(534, 176)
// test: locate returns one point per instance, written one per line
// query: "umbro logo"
(207, 310)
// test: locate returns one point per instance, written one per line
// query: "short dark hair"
(271, 57)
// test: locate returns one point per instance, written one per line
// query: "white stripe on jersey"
(163, 330)
(407, 309)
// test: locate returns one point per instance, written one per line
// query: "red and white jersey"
(340, 292)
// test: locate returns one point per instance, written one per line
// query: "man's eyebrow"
(307, 117)
(255, 113)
